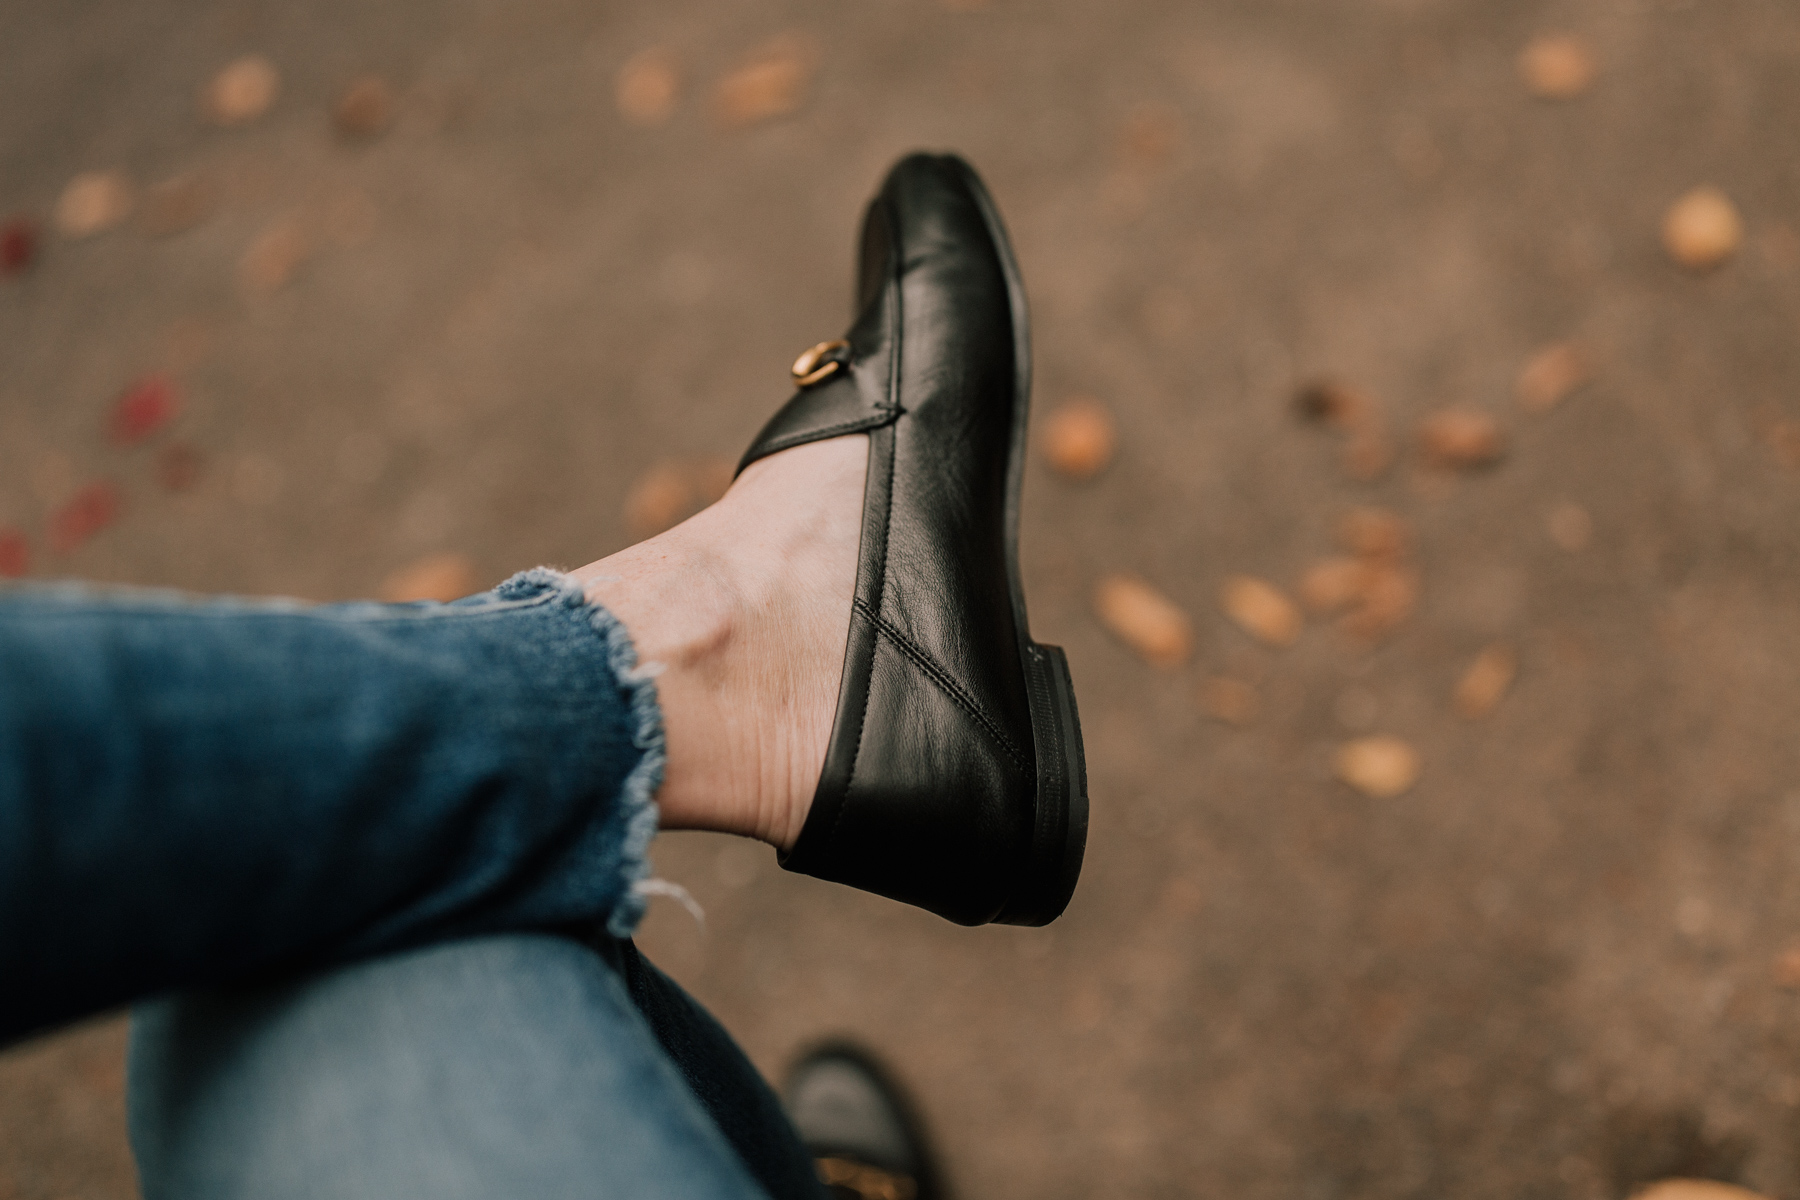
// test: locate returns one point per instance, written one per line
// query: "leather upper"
(928, 790)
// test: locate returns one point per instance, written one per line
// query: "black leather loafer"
(954, 779)
(865, 1136)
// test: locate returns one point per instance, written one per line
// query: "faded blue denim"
(377, 860)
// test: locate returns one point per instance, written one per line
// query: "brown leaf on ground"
(365, 109)
(1334, 584)
(89, 511)
(92, 202)
(1390, 594)
(242, 91)
(1261, 609)
(1485, 681)
(1695, 1189)
(1557, 66)
(661, 498)
(647, 87)
(177, 205)
(1375, 533)
(1550, 375)
(1334, 403)
(1079, 438)
(1787, 968)
(1460, 438)
(1229, 700)
(772, 83)
(1144, 619)
(1702, 229)
(179, 467)
(273, 258)
(1379, 766)
(444, 577)
(1150, 135)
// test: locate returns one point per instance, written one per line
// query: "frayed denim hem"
(637, 801)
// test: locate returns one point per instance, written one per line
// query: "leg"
(523, 1065)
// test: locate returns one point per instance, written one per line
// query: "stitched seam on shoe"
(896, 342)
(945, 680)
(813, 435)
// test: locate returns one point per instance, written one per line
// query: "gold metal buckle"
(808, 369)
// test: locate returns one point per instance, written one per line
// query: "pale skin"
(746, 605)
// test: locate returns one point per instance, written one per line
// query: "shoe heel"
(1060, 837)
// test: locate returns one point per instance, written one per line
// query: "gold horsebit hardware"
(813, 367)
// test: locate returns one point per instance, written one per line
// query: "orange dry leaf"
(1334, 584)
(1379, 766)
(1459, 438)
(1557, 66)
(92, 202)
(1550, 375)
(1787, 968)
(1702, 229)
(1696, 1189)
(365, 108)
(1390, 594)
(771, 84)
(1374, 533)
(1079, 438)
(1261, 609)
(444, 577)
(242, 91)
(1485, 682)
(648, 86)
(1144, 619)
(273, 257)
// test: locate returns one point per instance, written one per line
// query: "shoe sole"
(1059, 834)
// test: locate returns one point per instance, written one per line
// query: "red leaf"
(18, 245)
(93, 508)
(15, 554)
(146, 406)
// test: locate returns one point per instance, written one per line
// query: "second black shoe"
(954, 778)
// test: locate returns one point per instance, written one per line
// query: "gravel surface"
(315, 338)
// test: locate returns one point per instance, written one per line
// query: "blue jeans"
(369, 871)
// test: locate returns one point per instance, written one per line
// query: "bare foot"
(747, 606)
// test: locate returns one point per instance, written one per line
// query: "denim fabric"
(490, 1069)
(194, 792)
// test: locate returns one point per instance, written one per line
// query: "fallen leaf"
(92, 202)
(1460, 438)
(1570, 526)
(142, 409)
(1702, 229)
(1334, 403)
(1229, 700)
(177, 205)
(1378, 766)
(1787, 969)
(1695, 1189)
(442, 577)
(1485, 682)
(1261, 609)
(179, 467)
(1079, 438)
(1550, 375)
(18, 245)
(15, 554)
(1390, 594)
(648, 86)
(242, 91)
(274, 257)
(1144, 619)
(660, 499)
(1375, 533)
(772, 83)
(1557, 66)
(1367, 454)
(1334, 584)
(91, 509)
(365, 108)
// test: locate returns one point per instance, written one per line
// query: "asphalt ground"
(507, 310)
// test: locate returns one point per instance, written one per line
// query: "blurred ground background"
(552, 266)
